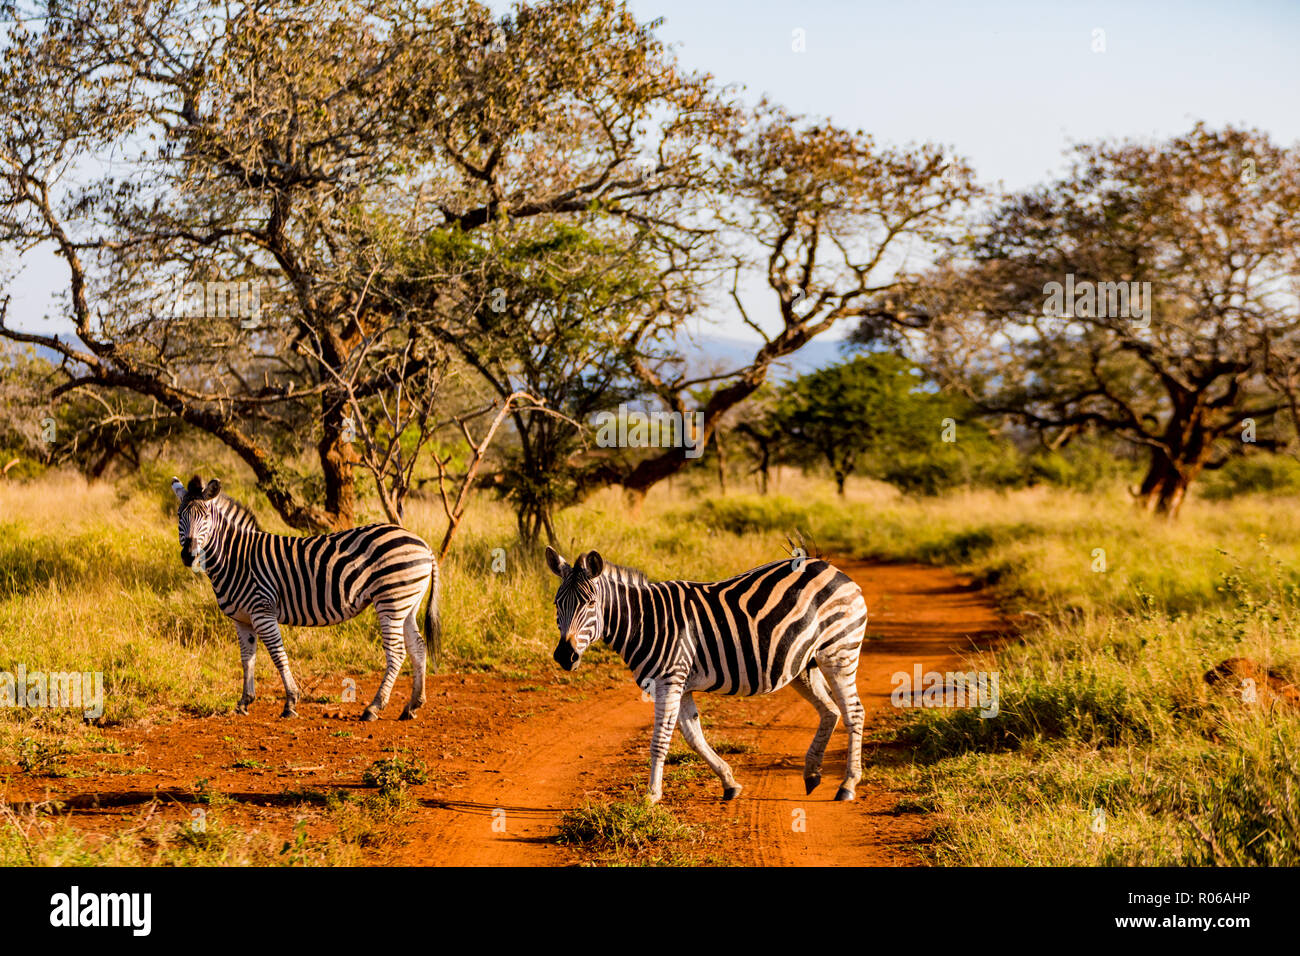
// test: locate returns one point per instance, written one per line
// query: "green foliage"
(875, 407)
(1086, 464)
(978, 462)
(394, 774)
(746, 514)
(627, 825)
(1268, 474)
(878, 415)
(41, 757)
(554, 312)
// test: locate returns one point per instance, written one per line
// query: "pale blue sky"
(1009, 85)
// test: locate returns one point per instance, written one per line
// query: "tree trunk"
(1164, 488)
(336, 464)
(722, 464)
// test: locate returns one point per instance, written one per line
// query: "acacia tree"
(297, 147)
(548, 308)
(92, 431)
(1199, 371)
(840, 415)
(837, 226)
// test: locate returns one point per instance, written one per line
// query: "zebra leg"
(843, 680)
(689, 721)
(393, 632)
(248, 657)
(268, 628)
(668, 697)
(415, 648)
(811, 684)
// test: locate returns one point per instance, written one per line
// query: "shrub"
(1271, 474)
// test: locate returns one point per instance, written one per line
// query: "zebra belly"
(292, 618)
(296, 617)
(742, 688)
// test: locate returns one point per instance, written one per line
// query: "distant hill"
(708, 354)
(40, 351)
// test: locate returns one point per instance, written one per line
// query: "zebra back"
(748, 634)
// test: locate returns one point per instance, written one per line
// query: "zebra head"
(577, 605)
(194, 517)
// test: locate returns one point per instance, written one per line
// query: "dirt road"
(547, 764)
(508, 756)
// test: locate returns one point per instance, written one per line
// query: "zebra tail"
(433, 625)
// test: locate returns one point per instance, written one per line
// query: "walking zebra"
(799, 620)
(263, 580)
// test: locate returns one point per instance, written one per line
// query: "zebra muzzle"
(566, 656)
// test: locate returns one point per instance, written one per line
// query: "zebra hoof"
(288, 712)
(731, 793)
(369, 714)
(242, 709)
(407, 714)
(811, 782)
(844, 793)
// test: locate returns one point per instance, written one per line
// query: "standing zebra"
(799, 620)
(263, 580)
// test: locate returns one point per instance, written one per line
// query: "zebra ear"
(212, 490)
(559, 567)
(592, 563)
(178, 489)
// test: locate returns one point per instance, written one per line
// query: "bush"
(631, 824)
(1270, 474)
(751, 514)
(1075, 704)
(1080, 466)
(975, 461)
(394, 774)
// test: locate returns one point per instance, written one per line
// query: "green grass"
(347, 831)
(393, 774)
(628, 832)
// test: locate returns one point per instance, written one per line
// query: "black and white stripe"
(263, 580)
(799, 621)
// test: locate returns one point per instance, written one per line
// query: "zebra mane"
(624, 575)
(240, 516)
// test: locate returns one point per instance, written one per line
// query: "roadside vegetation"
(630, 833)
